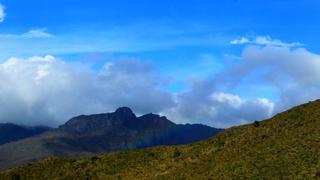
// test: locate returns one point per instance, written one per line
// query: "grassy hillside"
(284, 147)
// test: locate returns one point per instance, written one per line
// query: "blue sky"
(185, 42)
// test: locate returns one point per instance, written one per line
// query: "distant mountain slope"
(286, 146)
(101, 133)
(12, 132)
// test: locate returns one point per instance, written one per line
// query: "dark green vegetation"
(102, 133)
(285, 147)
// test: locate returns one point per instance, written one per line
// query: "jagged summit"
(154, 121)
(95, 122)
(123, 110)
(124, 114)
(151, 115)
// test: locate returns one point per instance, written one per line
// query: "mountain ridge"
(87, 135)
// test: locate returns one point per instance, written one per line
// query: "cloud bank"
(293, 73)
(48, 91)
(44, 90)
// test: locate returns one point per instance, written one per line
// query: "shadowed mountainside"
(11, 132)
(87, 135)
(286, 146)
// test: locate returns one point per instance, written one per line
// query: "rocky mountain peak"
(124, 114)
(123, 110)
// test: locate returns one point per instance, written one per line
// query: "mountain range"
(88, 135)
(286, 146)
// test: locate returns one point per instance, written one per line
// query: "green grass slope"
(286, 146)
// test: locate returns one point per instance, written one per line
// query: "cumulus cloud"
(44, 90)
(204, 104)
(2, 13)
(265, 41)
(294, 73)
(229, 107)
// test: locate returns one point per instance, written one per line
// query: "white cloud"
(2, 13)
(265, 41)
(37, 33)
(293, 73)
(242, 40)
(44, 90)
(233, 110)
(219, 109)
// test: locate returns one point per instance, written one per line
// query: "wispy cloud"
(33, 33)
(120, 39)
(242, 40)
(2, 13)
(37, 33)
(264, 41)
